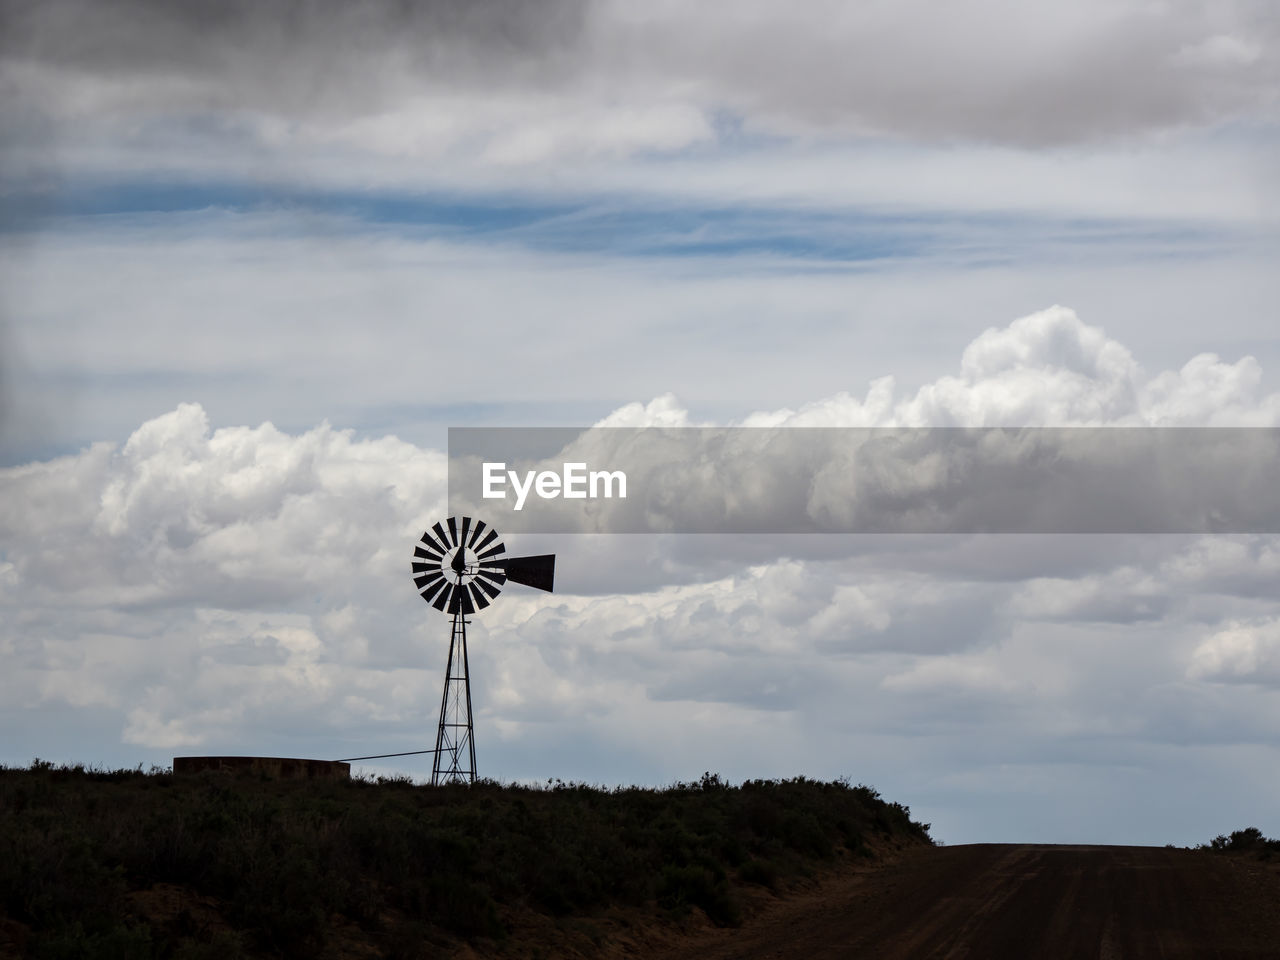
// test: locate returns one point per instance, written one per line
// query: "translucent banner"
(867, 480)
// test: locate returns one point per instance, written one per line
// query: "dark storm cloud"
(989, 70)
(995, 70)
(292, 54)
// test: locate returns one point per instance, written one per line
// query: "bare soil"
(1015, 902)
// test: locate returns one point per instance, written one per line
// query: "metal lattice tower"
(455, 760)
(460, 570)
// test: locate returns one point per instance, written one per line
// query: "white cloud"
(663, 411)
(181, 513)
(1241, 652)
(1051, 368)
(245, 589)
(1120, 595)
(1046, 369)
(129, 316)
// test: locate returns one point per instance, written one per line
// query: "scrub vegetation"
(127, 863)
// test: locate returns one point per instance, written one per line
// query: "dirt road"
(1006, 902)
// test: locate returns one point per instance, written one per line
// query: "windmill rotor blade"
(425, 554)
(443, 599)
(430, 592)
(460, 602)
(480, 600)
(443, 537)
(497, 578)
(491, 589)
(424, 567)
(475, 534)
(427, 579)
(430, 543)
(537, 572)
(462, 534)
(493, 534)
(491, 552)
(453, 531)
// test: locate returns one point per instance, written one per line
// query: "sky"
(258, 257)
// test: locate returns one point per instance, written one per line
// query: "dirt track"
(1007, 902)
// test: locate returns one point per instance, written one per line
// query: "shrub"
(1248, 840)
(700, 886)
(278, 863)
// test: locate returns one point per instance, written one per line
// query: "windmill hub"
(460, 567)
(464, 565)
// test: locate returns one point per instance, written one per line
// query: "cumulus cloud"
(1240, 652)
(227, 507)
(199, 582)
(181, 513)
(1051, 368)
(246, 589)
(910, 476)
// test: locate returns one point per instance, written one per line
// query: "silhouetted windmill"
(459, 569)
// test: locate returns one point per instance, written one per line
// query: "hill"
(127, 863)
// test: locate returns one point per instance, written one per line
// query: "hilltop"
(127, 863)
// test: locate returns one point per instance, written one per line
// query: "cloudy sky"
(257, 257)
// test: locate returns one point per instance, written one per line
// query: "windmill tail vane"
(460, 567)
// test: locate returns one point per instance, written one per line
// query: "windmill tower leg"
(455, 760)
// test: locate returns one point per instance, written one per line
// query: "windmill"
(460, 568)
